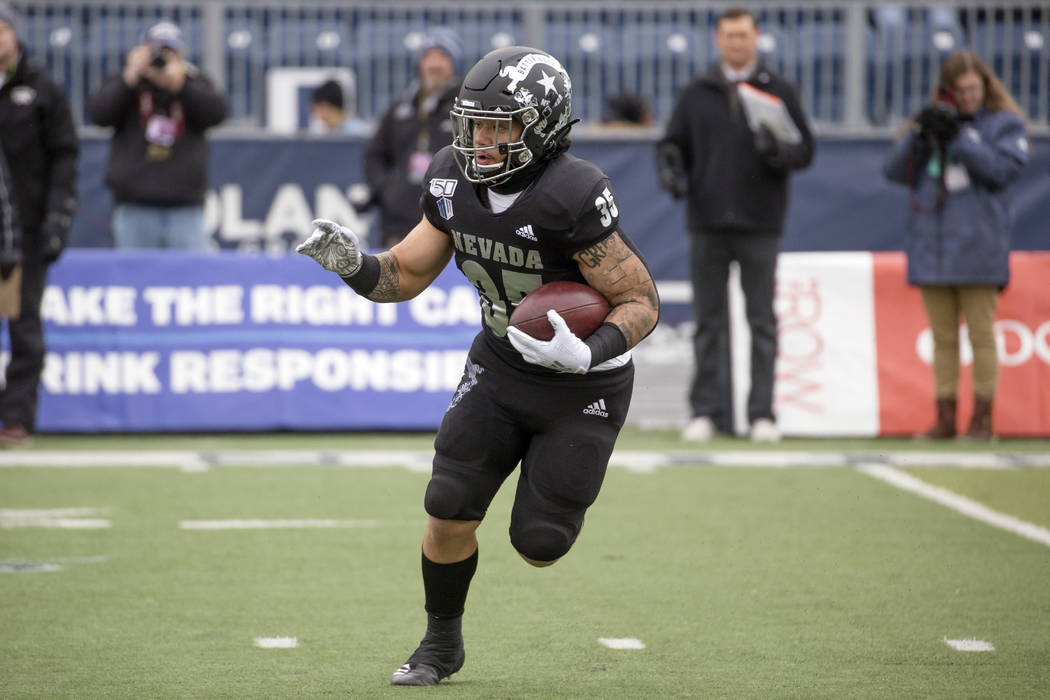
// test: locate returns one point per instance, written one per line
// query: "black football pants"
(561, 428)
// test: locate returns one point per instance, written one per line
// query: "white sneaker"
(700, 429)
(764, 430)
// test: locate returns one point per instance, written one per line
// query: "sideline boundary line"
(960, 504)
(641, 461)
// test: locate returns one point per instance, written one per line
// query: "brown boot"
(944, 428)
(981, 423)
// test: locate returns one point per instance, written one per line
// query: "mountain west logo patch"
(22, 95)
(443, 189)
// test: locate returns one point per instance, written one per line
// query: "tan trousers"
(977, 304)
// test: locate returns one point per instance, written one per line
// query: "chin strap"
(553, 141)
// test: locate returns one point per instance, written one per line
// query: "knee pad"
(447, 499)
(543, 542)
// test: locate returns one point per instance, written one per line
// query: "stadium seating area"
(611, 47)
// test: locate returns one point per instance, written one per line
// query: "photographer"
(160, 106)
(959, 158)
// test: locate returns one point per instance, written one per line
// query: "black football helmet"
(516, 83)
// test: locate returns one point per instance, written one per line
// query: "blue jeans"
(139, 226)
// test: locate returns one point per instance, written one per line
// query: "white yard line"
(54, 518)
(255, 524)
(276, 642)
(85, 459)
(969, 644)
(960, 504)
(621, 642)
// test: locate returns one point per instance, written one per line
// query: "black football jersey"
(570, 206)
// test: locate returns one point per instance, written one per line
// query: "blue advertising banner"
(160, 341)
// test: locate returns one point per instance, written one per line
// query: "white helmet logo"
(525, 65)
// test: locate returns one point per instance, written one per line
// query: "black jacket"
(40, 144)
(10, 228)
(400, 133)
(157, 175)
(731, 187)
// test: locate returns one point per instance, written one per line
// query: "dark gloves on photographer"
(939, 122)
(671, 169)
(53, 235)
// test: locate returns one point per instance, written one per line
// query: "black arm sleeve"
(365, 280)
(606, 343)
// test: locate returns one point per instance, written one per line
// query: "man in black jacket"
(410, 132)
(40, 145)
(736, 179)
(160, 106)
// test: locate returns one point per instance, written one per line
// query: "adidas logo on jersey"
(597, 409)
(526, 232)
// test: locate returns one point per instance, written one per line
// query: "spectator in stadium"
(330, 113)
(514, 218)
(160, 107)
(37, 200)
(410, 132)
(960, 156)
(627, 109)
(736, 182)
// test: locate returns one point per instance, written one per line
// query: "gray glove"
(766, 142)
(334, 247)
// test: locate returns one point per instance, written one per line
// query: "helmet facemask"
(517, 152)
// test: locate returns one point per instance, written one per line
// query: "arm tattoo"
(389, 286)
(593, 256)
(613, 268)
(634, 320)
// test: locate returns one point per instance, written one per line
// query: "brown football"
(582, 307)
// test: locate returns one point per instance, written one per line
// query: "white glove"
(564, 352)
(334, 247)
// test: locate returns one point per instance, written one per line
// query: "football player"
(516, 211)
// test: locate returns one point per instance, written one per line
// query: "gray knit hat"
(12, 17)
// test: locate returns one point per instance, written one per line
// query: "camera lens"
(157, 57)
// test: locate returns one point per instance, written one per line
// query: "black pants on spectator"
(710, 255)
(19, 397)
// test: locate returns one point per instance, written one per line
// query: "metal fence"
(860, 67)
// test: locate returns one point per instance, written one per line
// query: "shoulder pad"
(567, 183)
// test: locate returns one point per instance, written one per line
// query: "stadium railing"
(861, 67)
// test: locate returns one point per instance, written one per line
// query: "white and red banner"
(855, 348)
(905, 351)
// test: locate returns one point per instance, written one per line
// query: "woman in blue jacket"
(959, 159)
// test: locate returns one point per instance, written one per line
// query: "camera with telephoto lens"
(940, 120)
(157, 57)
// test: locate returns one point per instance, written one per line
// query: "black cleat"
(438, 656)
(416, 674)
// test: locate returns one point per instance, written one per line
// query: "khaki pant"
(977, 304)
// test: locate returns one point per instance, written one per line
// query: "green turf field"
(741, 582)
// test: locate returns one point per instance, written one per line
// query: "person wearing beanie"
(410, 132)
(331, 115)
(160, 106)
(38, 189)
